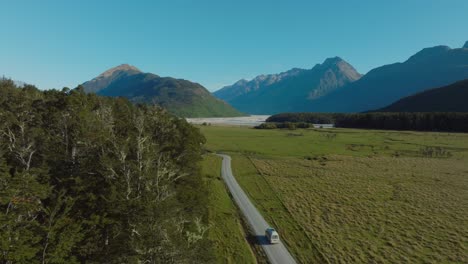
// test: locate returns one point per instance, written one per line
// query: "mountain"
(181, 97)
(243, 86)
(431, 67)
(110, 76)
(290, 91)
(451, 98)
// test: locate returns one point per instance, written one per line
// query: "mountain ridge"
(181, 97)
(121, 67)
(244, 86)
(450, 98)
(431, 67)
(295, 88)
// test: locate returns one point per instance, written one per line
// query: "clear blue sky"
(65, 42)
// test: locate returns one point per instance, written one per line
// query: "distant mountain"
(110, 76)
(243, 86)
(291, 91)
(181, 97)
(451, 98)
(431, 67)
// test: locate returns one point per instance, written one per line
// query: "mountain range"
(451, 98)
(335, 86)
(181, 97)
(289, 91)
(431, 67)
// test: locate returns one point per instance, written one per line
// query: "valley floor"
(353, 196)
(253, 120)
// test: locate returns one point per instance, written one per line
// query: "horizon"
(53, 44)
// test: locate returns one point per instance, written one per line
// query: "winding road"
(276, 253)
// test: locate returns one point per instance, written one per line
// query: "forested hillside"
(450, 98)
(180, 97)
(88, 179)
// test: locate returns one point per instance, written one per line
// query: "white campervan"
(272, 235)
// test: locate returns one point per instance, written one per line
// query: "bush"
(434, 152)
(266, 126)
(311, 118)
(290, 126)
(303, 125)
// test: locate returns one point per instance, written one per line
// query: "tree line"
(311, 118)
(427, 121)
(88, 179)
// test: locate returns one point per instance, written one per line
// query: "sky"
(62, 43)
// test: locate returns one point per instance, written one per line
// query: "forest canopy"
(85, 178)
(426, 121)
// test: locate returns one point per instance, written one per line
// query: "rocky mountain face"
(243, 86)
(181, 97)
(290, 91)
(335, 86)
(431, 67)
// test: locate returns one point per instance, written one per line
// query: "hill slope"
(451, 98)
(431, 67)
(181, 97)
(290, 91)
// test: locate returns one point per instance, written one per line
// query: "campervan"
(272, 235)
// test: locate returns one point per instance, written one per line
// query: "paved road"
(277, 253)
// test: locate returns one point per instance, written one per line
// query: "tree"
(90, 179)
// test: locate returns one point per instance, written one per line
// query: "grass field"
(354, 196)
(226, 232)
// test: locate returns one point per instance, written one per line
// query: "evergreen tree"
(87, 179)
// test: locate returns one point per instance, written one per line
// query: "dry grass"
(226, 232)
(376, 209)
(361, 196)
